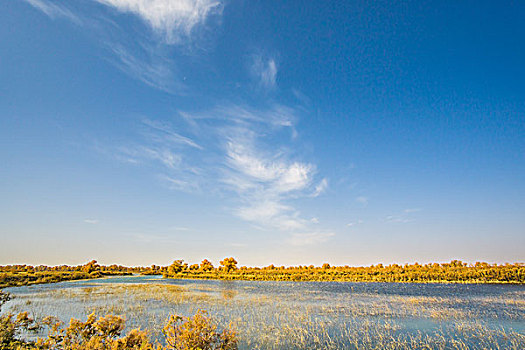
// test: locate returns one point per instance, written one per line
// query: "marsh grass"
(270, 319)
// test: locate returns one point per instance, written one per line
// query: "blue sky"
(139, 132)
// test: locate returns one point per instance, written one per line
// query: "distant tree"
(206, 265)
(229, 264)
(176, 267)
(91, 266)
(457, 263)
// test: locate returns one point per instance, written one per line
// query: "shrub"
(198, 332)
(11, 326)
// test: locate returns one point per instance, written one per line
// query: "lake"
(299, 315)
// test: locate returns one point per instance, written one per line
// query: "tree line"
(455, 271)
(20, 275)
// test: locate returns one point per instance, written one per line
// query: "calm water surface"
(276, 315)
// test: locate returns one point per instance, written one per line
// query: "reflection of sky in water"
(265, 311)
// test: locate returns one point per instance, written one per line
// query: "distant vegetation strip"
(454, 272)
(21, 275)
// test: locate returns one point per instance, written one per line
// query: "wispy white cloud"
(301, 97)
(266, 182)
(276, 115)
(233, 148)
(354, 223)
(91, 221)
(266, 176)
(320, 188)
(172, 172)
(265, 71)
(172, 154)
(178, 184)
(151, 67)
(151, 59)
(173, 20)
(243, 149)
(406, 216)
(398, 219)
(165, 156)
(140, 154)
(55, 10)
(280, 175)
(168, 135)
(272, 214)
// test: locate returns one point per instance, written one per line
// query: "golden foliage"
(198, 332)
(454, 272)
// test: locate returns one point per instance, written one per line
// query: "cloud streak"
(151, 56)
(167, 134)
(240, 150)
(173, 20)
(265, 71)
(320, 188)
(264, 176)
(151, 68)
(267, 177)
(403, 218)
(232, 147)
(54, 10)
